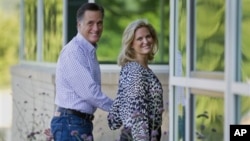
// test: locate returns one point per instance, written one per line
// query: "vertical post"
(39, 55)
(190, 45)
(172, 41)
(22, 28)
(231, 44)
(65, 23)
(238, 59)
(162, 29)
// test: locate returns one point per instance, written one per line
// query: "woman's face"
(143, 42)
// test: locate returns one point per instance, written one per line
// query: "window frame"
(225, 86)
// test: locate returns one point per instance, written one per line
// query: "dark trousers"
(127, 136)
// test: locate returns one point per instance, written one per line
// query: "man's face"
(91, 26)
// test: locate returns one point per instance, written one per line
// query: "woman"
(139, 103)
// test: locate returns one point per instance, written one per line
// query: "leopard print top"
(139, 103)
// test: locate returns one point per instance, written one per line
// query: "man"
(78, 81)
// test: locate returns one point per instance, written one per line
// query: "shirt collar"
(85, 44)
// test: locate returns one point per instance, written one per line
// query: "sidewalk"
(5, 113)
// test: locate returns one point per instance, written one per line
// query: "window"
(119, 13)
(30, 34)
(48, 24)
(210, 39)
(52, 29)
(243, 55)
(209, 35)
(42, 29)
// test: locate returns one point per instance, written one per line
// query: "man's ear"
(78, 24)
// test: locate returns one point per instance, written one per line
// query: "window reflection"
(52, 34)
(30, 10)
(209, 114)
(182, 31)
(180, 112)
(119, 13)
(115, 23)
(210, 26)
(243, 102)
(245, 42)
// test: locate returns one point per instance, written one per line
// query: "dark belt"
(77, 113)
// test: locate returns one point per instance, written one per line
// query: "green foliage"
(119, 14)
(245, 42)
(209, 56)
(30, 34)
(9, 44)
(209, 118)
(52, 42)
(244, 101)
(209, 35)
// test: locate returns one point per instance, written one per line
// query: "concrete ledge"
(33, 88)
(41, 73)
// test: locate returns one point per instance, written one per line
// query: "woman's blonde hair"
(127, 53)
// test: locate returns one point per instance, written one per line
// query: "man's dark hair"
(88, 6)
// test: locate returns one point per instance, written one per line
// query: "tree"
(9, 43)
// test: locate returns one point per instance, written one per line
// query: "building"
(206, 80)
(46, 25)
(211, 38)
